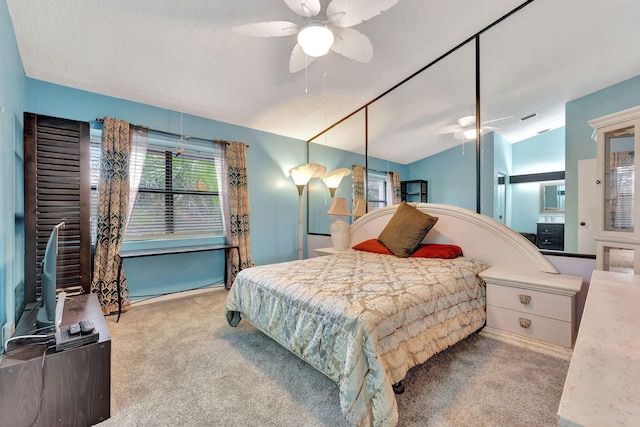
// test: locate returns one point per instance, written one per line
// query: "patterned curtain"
(137, 155)
(358, 189)
(237, 209)
(393, 188)
(109, 281)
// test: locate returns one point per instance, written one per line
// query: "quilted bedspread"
(362, 319)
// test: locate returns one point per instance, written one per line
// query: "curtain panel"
(236, 211)
(109, 281)
(358, 189)
(394, 196)
(137, 155)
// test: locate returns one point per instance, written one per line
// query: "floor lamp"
(301, 175)
(332, 179)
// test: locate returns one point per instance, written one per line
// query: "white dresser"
(603, 383)
(533, 309)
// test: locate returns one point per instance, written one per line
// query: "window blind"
(376, 189)
(178, 196)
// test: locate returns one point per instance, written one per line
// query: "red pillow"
(372, 245)
(432, 250)
(437, 250)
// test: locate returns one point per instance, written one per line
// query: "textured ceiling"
(183, 56)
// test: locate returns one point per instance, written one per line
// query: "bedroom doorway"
(501, 199)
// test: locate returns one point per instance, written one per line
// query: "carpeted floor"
(178, 363)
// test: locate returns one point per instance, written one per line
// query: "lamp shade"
(332, 179)
(315, 40)
(303, 173)
(339, 207)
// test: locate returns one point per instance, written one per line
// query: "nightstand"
(532, 309)
(326, 251)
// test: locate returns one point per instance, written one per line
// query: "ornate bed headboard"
(478, 235)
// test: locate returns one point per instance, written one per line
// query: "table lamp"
(339, 228)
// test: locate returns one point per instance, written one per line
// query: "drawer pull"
(525, 299)
(524, 322)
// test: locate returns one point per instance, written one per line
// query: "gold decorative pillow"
(406, 229)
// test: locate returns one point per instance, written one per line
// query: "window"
(376, 189)
(178, 195)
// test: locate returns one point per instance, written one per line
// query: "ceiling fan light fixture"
(315, 40)
(471, 133)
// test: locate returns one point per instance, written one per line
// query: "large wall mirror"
(417, 126)
(425, 127)
(527, 141)
(350, 135)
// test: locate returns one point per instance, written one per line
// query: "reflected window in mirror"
(376, 189)
(383, 188)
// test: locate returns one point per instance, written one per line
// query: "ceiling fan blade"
(299, 60)
(306, 8)
(497, 120)
(352, 44)
(347, 13)
(448, 129)
(267, 29)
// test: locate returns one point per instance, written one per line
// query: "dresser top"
(535, 280)
(603, 382)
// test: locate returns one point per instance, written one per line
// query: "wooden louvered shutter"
(57, 188)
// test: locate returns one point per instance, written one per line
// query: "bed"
(364, 318)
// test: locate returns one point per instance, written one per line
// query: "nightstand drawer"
(529, 325)
(538, 303)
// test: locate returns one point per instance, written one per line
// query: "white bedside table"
(532, 309)
(326, 251)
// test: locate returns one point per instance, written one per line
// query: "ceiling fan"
(317, 34)
(466, 128)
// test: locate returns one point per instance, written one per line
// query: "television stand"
(77, 382)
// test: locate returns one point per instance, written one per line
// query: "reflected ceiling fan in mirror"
(466, 128)
(319, 34)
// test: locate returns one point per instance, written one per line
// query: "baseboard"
(528, 343)
(176, 295)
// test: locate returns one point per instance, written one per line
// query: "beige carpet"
(178, 363)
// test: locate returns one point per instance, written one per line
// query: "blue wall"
(579, 144)
(541, 153)
(12, 83)
(272, 194)
(451, 175)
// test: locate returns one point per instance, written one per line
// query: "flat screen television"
(47, 313)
